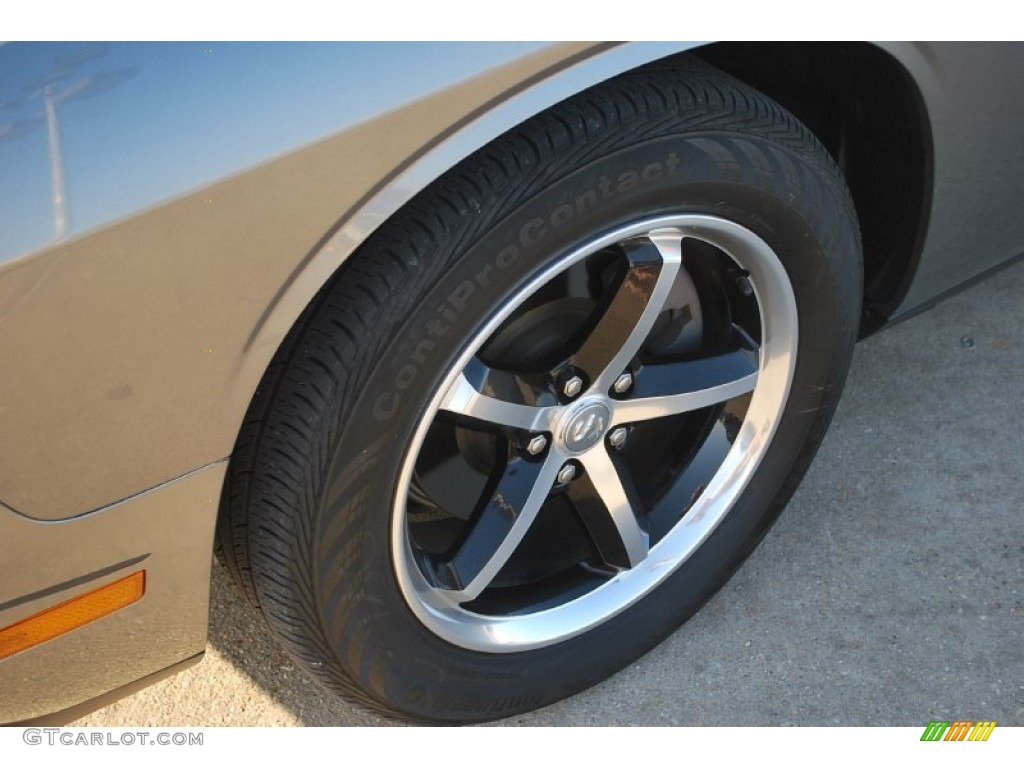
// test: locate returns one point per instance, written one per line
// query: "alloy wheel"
(594, 432)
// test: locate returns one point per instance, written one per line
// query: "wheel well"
(865, 108)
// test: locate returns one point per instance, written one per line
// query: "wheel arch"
(466, 135)
(866, 107)
(856, 97)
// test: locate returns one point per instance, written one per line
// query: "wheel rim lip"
(777, 362)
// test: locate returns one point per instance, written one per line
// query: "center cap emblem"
(586, 427)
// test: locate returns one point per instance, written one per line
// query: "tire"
(547, 410)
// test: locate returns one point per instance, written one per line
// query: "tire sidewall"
(787, 198)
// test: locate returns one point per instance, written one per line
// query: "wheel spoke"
(496, 397)
(665, 389)
(502, 523)
(691, 481)
(609, 509)
(653, 264)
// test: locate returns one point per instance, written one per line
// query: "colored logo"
(958, 730)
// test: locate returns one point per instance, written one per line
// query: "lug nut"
(624, 382)
(617, 437)
(566, 474)
(536, 445)
(573, 386)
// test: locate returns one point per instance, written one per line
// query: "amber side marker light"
(72, 614)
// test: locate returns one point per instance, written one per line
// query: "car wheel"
(546, 410)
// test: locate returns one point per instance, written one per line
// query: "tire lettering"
(628, 181)
(586, 201)
(461, 295)
(482, 278)
(561, 216)
(420, 353)
(652, 172)
(507, 256)
(387, 403)
(405, 376)
(532, 231)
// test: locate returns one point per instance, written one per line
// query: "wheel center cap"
(585, 425)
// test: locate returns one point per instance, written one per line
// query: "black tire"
(307, 516)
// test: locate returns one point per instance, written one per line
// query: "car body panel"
(140, 341)
(140, 344)
(168, 532)
(974, 223)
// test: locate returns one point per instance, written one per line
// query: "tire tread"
(276, 472)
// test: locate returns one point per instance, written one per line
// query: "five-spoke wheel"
(594, 432)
